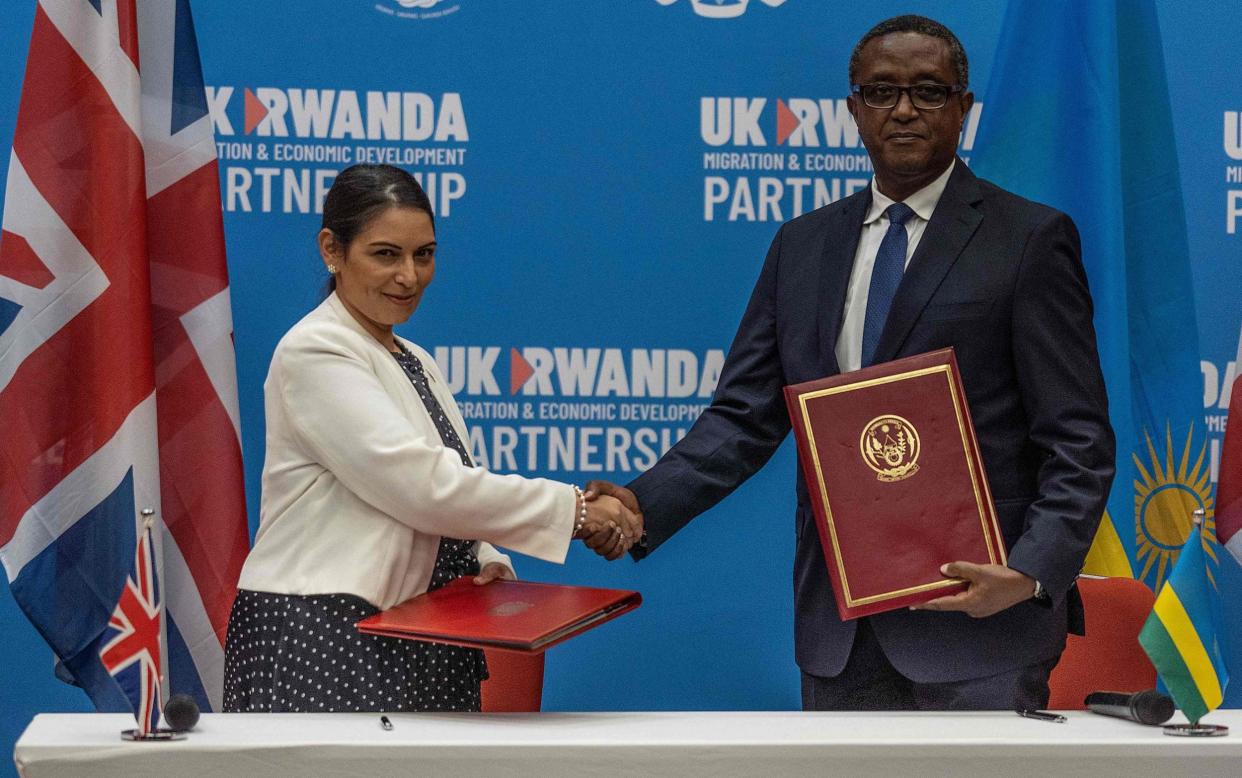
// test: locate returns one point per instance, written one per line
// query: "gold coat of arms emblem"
(890, 446)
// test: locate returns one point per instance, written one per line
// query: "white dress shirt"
(875, 225)
(358, 487)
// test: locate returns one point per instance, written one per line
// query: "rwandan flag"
(1077, 116)
(1181, 633)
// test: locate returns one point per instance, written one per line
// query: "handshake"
(613, 521)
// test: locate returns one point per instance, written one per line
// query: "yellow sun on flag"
(1166, 495)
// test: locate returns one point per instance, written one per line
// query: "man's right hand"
(606, 544)
(609, 528)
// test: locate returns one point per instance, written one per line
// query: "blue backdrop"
(607, 177)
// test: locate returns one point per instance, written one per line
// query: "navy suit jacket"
(998, 278)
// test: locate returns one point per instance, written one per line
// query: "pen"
(385, 724)
(1042, 715)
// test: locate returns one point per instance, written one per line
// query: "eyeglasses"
(927, 96)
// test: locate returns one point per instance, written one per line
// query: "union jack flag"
(132, 653)
(117, 382)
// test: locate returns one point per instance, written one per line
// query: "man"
(928, 256)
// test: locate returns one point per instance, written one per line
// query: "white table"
(675, 744)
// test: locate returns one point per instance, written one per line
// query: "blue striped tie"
(890, 264)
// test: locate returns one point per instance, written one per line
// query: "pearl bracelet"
(580, 521)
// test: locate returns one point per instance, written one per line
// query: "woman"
(368, 485)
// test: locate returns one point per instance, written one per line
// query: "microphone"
(181, 713)
(1146, 707)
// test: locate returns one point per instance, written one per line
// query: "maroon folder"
(896, 481)
(510, 615)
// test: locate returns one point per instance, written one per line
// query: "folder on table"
(896, 481)
(509, 615)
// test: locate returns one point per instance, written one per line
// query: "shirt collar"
(922, 202)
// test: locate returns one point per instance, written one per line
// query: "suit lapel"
(840, 244)
(952, 224)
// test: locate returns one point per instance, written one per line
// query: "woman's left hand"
(494, 571)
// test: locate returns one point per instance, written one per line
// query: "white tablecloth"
(674, 744)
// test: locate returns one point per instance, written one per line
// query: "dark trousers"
(870, 682)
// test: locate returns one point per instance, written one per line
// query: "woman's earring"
(331, 268)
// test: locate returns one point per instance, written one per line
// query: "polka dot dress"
(292, 653)
(301, 654)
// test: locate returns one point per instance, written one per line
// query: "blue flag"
(1182, 634)
(1077, 116)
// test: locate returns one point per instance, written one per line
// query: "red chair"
(1108, 657)
(515, 684)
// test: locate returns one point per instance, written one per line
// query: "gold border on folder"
(980, 487)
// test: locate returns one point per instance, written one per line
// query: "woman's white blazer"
(358, 487)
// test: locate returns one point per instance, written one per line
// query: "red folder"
(896, 481)
(510, 615)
